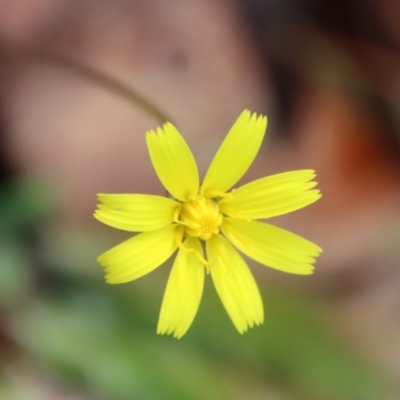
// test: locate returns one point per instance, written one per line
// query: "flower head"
(208, 223)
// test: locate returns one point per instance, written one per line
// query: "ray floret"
(208, 225)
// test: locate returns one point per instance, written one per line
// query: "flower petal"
(135, 212)
(271, 196)
(272, 246)
(183, 293)
(173, 161)
(139, 255)
(235, 284)
(236, 153)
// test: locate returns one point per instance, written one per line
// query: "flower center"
(201, 217)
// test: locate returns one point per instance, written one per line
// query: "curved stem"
(97, 77)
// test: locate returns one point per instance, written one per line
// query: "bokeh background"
(326, 72)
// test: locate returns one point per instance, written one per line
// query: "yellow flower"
(207, 222)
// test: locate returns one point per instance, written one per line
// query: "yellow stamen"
(179, 237)
(201, 217)
(176, 214)
(202, 260)
(234, 214)
(237, 236)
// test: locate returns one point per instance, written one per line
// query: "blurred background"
(327, 74)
